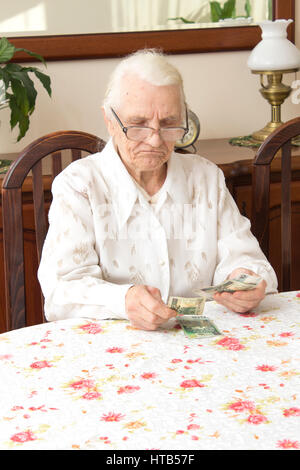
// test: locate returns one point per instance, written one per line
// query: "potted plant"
(17, 90)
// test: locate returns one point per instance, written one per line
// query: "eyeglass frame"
(125, 129)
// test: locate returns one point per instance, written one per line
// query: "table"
(87, 384)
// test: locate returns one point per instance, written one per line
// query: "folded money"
(187, 306)
(195, 326)
(242, 282)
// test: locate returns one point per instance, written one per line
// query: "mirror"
(57, 37)
(36, 17)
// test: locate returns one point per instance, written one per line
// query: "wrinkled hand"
(145, 308)
(242, 301)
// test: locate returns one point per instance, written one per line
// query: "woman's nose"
(155, 138)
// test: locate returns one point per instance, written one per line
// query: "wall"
(219, 88)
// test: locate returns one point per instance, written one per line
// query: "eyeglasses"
(139, 133)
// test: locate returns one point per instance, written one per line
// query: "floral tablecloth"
(86, 384)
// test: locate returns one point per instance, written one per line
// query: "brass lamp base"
(258, 137)
(262, 134)
(275, 92)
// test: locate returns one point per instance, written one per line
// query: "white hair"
(150, 65)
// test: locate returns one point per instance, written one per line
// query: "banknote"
(242, 282)
(195, 326)
(186, 305)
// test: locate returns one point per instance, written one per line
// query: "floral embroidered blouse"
(106, 234)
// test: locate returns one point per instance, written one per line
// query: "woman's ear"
(108, 122)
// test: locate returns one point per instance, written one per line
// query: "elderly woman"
(136, 223)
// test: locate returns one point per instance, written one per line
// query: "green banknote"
(187, 306)
(195, 326)
(242, 282)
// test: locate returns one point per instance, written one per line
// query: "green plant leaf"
(32, 54)
(15, 71)
(215, 11)
(20, 95)
(45, 80)
(218, 13)
(7, 50)
(229, 9)
(5, 77)
(184, 20)
(19, 90)
(30, 89)
(17, 117)
(270, 10)
(248, 8)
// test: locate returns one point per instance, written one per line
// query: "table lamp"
(273, 56)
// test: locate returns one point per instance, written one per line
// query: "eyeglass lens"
(141, 133)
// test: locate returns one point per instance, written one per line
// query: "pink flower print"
(83, 383)
(240, 406)
(266, 387)
(148, 375)
(286, 334)
(91, 328)
(266, 368)
(40, 364)
(230, 343)
(112, 417)
(175, 361)
(193, 427)
(23, 436)
(291, 412)
(249, 314)
(93, 395)
(39, 408)
(115, 350)
(191, 383)
(256, 419)
(198, 360)
(128, 389)
(298, 295)
(288, 444)
(6, 356)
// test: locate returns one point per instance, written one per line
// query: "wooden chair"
(280, 139)
(30, 160)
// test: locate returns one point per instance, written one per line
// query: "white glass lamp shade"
(274, 51)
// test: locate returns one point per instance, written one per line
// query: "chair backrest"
(280, 139)
(30, 160)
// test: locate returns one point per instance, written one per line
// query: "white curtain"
(149, 14)
(130, 15)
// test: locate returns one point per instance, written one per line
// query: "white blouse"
(106, 234)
